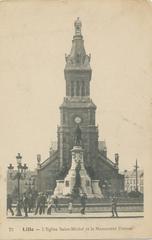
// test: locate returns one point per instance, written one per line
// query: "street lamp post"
(136, 171)
(19, 175)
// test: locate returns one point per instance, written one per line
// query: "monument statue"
(78, 25)
(77, 136)
(77, 181)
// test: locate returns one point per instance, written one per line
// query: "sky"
(34, 37)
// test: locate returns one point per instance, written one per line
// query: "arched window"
(72, 89)
(63, 118)
(83, 88)
(78, 89)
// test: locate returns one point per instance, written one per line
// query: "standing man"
(38, 202)
(70, 206)
(43, 202)
(50, 204)
(56, 203)
(25, 202)
(114, 207)
(9, 204)
(83, 203)
(30, 203)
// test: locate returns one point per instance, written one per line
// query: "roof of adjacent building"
(132, 173)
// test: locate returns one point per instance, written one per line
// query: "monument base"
(77, 180)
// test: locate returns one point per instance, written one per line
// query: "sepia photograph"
(76, 119)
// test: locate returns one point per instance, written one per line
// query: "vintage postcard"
(76, 110)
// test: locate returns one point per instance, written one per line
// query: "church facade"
(78, 109)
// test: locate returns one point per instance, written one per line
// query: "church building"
(78, 108)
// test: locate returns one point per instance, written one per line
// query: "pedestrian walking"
(70, 206)
(25, 203)
(83, 203)
(9, 204)
(30, 202)
(38, 202)
(42, 203)
(114, 207)
(56, 203)
(50, 205)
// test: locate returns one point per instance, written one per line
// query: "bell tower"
(77, 70)
(77, 106)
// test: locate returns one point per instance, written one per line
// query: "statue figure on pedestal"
(77, 25)
(77, 136)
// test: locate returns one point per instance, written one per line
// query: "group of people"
(28, 203)
(44, 203)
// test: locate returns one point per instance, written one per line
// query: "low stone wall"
(135, 207)
(102, 200)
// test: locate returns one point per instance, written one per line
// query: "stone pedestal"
(59, 187)
(89, 187)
